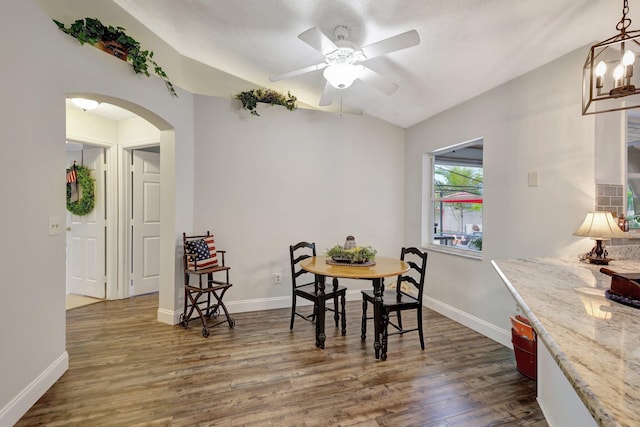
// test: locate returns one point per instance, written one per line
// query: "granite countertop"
(595, 341)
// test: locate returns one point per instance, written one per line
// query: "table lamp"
(599, 226)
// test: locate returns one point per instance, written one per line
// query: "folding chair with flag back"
(201, 258)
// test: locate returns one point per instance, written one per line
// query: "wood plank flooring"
(126, 369)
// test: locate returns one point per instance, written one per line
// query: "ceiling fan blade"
(399, 42)
(327, 95)
(318, 40)
(297, 72)
(376, 80)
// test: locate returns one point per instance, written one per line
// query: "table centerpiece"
(351, 254)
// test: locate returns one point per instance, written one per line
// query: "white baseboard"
(167, 316)
(244, 306)
(14, 410)
(483, 327)
(276, 302)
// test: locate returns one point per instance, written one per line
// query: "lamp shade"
(341, 76)
(599, 225)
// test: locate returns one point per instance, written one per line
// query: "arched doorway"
(118, 246)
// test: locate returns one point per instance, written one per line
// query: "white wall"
(137, 132)
(263, 183)
(532, 123)
(91, 128)
(37, 74)
(32, 158)
(88, 71)
(86, 127)
(356, 168)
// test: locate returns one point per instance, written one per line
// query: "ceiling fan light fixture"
(341, 76)
(85, 104)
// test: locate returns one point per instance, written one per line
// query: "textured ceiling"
(467, 46)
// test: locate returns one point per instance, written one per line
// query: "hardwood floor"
(126, 369)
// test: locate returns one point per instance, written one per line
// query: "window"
(633, 170)
(457, 196)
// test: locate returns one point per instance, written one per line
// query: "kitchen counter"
(594, 341)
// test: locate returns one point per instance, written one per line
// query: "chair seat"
(206, 270)
(310, 290)
(391, 299)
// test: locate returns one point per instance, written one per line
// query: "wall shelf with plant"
(251, 98)
(114, 40)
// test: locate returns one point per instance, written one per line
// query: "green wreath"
(86, 202)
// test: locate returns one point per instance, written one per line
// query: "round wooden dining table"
(383, 267)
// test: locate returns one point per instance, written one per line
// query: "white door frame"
(110, 211)
(124, 239)
(118, 208)
(146, 221)
(125, 236)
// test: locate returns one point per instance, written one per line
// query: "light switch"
(55, 226)
(533, 179)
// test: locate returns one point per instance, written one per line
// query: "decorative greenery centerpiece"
(115, 41)
(356, 255)
(251, 98)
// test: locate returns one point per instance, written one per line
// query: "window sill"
(452, 250)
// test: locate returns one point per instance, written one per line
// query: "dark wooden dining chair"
(303, 285)
(202, 259)
(406, 296)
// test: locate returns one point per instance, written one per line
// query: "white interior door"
(86, 234)
(146, 223)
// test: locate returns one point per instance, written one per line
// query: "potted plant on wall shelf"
(251, 98)
(114, 40)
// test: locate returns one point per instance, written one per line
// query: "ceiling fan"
(343, 60)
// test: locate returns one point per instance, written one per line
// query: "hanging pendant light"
(609, 80)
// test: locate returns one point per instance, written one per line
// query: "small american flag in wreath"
(72, 178)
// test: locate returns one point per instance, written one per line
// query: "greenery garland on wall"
(86, 200)
(118, 43)
(251, 98)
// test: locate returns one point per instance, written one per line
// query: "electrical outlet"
(277, 278)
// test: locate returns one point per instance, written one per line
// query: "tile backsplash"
(610, 198)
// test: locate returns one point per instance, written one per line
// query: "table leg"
(320, 335)
(377, 315)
